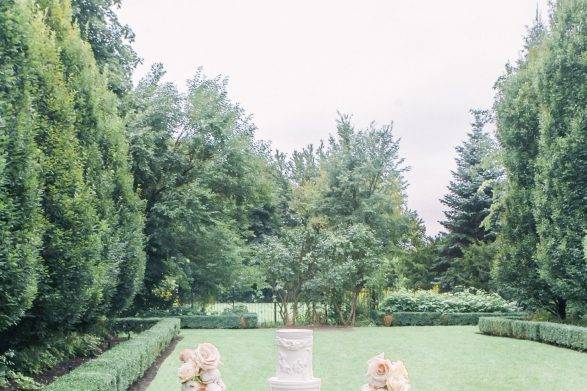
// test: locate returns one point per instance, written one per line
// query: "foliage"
(201, 173)
(237, 309)
(120, 366)
(344, 220)
(429, 301)
(417, 266)
(468, 202)
(35, 359)
(402, 318)
(541, 128)
(287, 266)
(109, 39)
(223, 321)
(21, 225)
(574, 337)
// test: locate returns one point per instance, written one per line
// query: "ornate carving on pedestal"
(294, 362)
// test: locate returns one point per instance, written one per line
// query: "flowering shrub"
(429, 301)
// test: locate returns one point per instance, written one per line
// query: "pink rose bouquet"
(386, 375)
(199, 370)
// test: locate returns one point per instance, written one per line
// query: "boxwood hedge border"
(224, 321)
(574, 337)
(119, 367)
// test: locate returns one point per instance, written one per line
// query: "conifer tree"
(468, 201)
(106, 167)
(21, 225)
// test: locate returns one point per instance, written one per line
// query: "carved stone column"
(294, 362)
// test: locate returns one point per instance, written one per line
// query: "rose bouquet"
(386, 375)
(199, 370)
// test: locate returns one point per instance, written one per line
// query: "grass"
(438, 358)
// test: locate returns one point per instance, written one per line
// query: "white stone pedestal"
(294, 362)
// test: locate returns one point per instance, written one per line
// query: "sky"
(293, 64)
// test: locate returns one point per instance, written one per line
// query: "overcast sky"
(421, 64)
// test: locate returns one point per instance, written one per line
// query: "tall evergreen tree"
(110, 40)
(71, 245)
(541, 126)
(560, 194)
(106, 166)
(468, 202)
(21, 224)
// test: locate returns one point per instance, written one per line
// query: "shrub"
(574, 337)
(225, 321)
(430, 318)
(120, 366)
(461, 302)
(564, 335)
(238, 309)
(36, 358)
(136, 325)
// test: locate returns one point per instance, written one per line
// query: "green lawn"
(438, 358)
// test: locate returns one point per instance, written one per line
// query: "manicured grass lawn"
(438, 358)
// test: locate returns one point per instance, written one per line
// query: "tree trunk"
(561, 308)
(294, 315)
(353, 314)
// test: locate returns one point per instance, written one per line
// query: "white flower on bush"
(384, 374)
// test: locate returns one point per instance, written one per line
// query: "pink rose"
(378, 370)
(187, 355)
(187, 371)
(210, 376)
(398, 379)
(207, 356)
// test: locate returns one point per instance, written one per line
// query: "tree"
(71, 244)
(347, 260)
(201, 173)
(358, 202)
(416, 267)
(541, 127)
(469, 200)
(73, 236)
(106, 166)
(110, 40)
(288, 265)
(21, 224)
(560, 191)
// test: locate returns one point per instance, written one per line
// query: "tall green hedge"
(118, 368)
(573, 337)
(71, 223)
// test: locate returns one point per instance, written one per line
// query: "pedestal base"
(276, 384)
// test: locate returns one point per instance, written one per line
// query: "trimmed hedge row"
(574, 337)
(434, 318)
(119, 367)
(225, 321)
